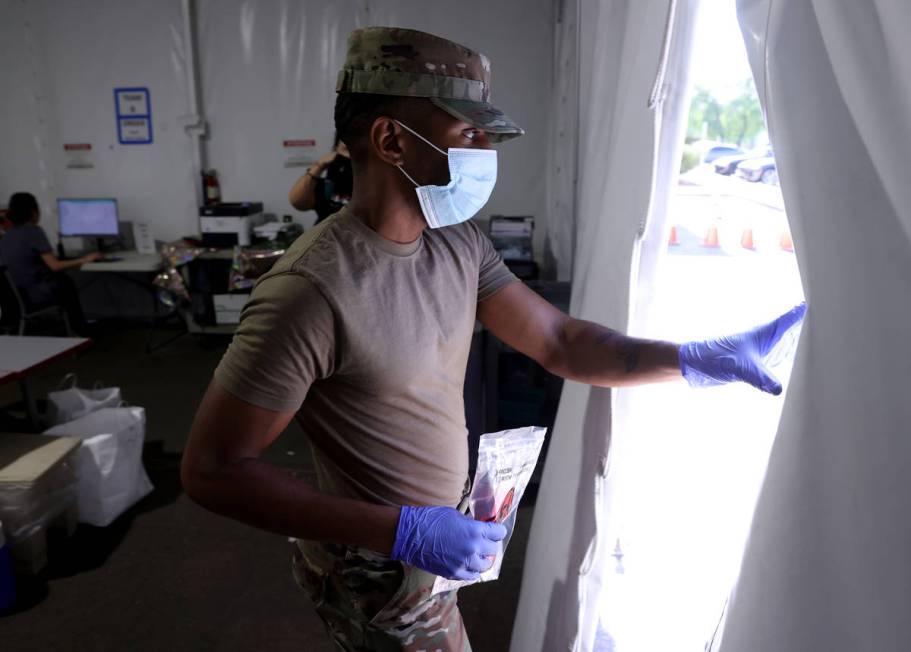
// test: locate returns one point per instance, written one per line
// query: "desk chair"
(15, 313)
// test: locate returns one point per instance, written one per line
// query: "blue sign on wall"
(134, 116)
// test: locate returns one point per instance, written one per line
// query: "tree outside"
(739, 121)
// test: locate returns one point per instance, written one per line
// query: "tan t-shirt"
(368, 339)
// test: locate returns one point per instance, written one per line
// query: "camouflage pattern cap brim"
(409, 63)
(483, 115)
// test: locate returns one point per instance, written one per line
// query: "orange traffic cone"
(747, 240)
(786, 243)
(673, 242)
(711, 238)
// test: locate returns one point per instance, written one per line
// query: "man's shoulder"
(314, 257)
(285, 290)
(309, 247)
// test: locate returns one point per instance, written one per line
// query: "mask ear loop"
(403, 126)
(402, 170)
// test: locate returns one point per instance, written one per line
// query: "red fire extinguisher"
(211, 191)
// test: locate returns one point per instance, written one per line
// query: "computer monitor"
(94, 218)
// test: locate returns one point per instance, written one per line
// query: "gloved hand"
(739, 357)
(444, 542)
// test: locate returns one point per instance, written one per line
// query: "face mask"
(472, 176)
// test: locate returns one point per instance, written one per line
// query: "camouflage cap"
(405, 62)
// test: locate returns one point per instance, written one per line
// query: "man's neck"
(393, 214)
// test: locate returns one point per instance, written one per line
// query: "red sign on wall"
(77, 147)
(309, 142)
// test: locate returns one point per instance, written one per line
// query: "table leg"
(31, 408)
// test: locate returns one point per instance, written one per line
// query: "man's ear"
(385, 140)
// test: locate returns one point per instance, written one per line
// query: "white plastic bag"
(72, 402)
(506, 461)
(109, 473)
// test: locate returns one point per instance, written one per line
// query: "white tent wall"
(81, 52)
(826, 565)
(564, 142)
(267, 74)
(625, 147)
(24, 130)
(269, 71)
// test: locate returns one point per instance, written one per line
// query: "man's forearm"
(596, 355)
(270, 498)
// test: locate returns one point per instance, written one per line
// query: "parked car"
(728, 164)
(720, 150)
(759, 169)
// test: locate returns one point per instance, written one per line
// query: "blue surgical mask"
(472, 176)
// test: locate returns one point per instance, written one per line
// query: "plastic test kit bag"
(109, 471)
(70, 402)
(506, 461)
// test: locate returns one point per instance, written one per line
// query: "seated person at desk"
(32, 265)
(326, 186)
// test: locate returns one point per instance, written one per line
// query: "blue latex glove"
(443, 541)
(741, 357)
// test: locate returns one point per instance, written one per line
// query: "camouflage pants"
(371, 603)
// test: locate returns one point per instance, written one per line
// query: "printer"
(227, 224)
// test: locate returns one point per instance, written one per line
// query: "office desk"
(24, 355)
(132, 262)
(107, 290)
(121, 289)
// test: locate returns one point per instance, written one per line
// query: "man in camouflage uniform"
(371, 602)
(362, 330)
(367, 600)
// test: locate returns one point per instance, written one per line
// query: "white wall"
(268, 70)
(84, 49)
(269, 73)
(24, 163)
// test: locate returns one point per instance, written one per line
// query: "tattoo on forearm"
(624, 349)
(629, 354)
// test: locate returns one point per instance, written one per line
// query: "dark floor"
(169, 575)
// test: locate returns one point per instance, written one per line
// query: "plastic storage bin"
(37, 489)
(7, 580)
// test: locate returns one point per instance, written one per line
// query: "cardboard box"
(37, 490)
